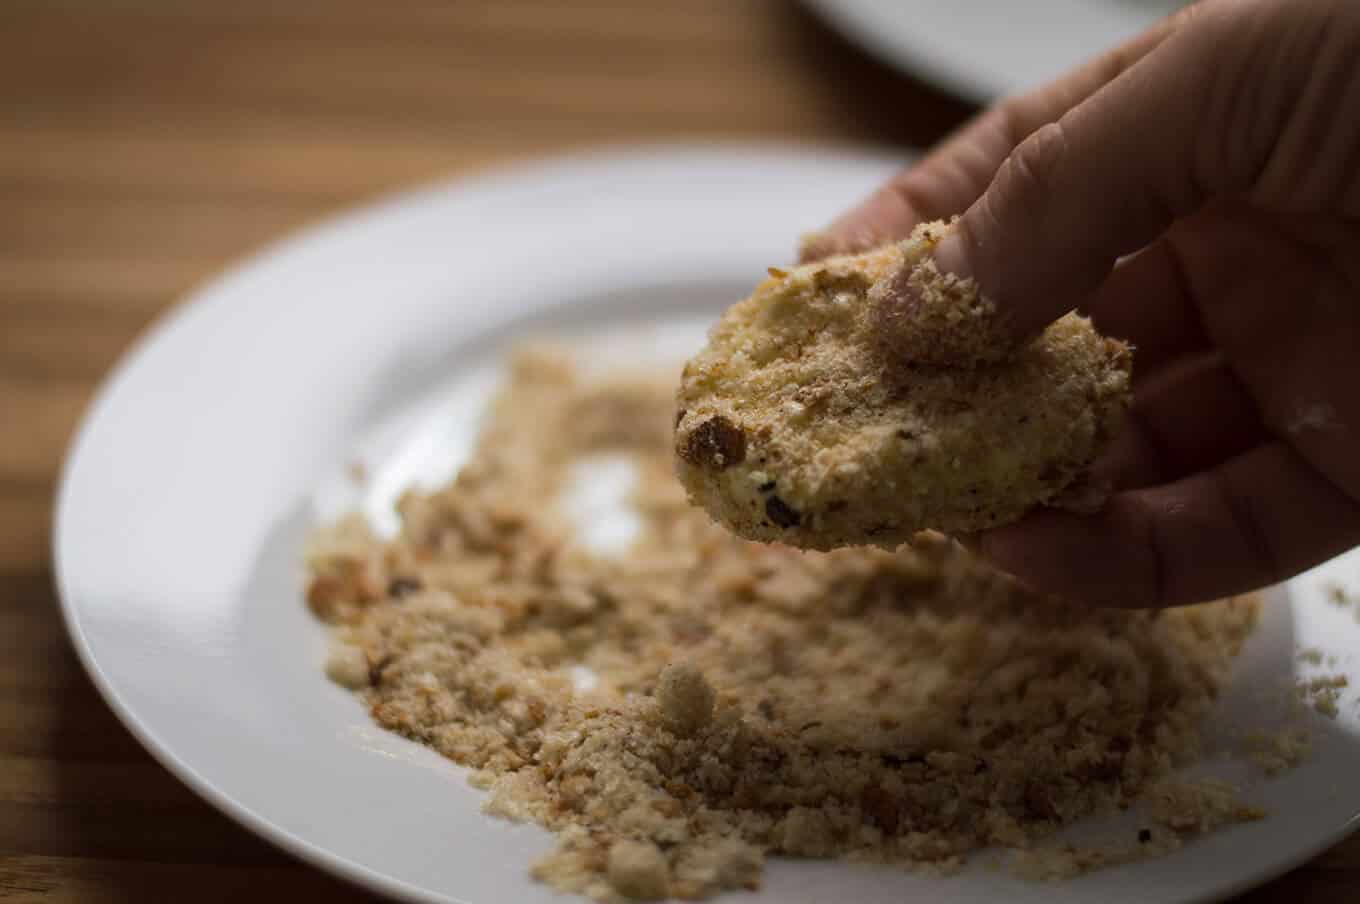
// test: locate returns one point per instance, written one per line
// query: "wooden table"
(144, 144)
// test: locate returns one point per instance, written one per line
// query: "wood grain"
(145, 144)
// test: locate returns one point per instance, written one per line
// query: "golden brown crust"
(806, 420)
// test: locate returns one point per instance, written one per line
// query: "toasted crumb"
(1199, 806)
(1062, 861)
(686, 699)
(1274, 752)
(912, 707)
(347, 666)
(724, 863)
(805, 832)
(1322, 693)
(1310, 656)
(811, 420)
(638, 870)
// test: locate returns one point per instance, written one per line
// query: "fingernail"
(949, 256)
(901, 293)
(894, 301)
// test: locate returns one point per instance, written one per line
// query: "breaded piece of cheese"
(812, 420)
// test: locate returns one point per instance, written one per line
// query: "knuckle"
(1254, 61)
(1030, 174)
(1014, 118)
(1192, 13)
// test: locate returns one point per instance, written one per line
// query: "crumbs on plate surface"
(908, 707)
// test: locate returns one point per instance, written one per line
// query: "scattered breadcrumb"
(811, 420)
(911, 707)
(347, 666)
(685, 699)
(1342, 597)
(1288, 744)
(1198, 807)
(1337, 594)
(1322, 693)
(638, 869)
(1277, 751)
(1175, 811)
(1310, 656)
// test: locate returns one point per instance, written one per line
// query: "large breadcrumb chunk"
(818, 417)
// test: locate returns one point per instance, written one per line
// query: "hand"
(1197, 192)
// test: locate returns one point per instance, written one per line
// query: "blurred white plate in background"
(986, 49)
(221, 438)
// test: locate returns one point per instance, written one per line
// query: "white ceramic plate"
(985, 49)
(225, 434)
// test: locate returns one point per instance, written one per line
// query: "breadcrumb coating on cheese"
(809, 421)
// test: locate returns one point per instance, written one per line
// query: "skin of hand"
(1197, 192)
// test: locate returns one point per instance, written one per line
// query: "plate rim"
(919, 58)
(916, 54)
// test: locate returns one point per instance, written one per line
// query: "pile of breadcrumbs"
(909, 708)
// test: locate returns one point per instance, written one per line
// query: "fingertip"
(1074, 557)
(970, 542)
(860, 229)
(1005, 548)
(813, 246)
(835, 240)
(951, 255)
(926, 315)
(960, 254)
(915, 195)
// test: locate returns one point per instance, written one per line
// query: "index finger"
(954, 175)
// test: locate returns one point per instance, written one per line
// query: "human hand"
(1197, 192)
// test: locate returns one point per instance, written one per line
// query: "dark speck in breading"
(715, 444)
(779, 512)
